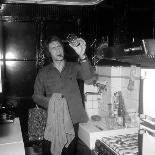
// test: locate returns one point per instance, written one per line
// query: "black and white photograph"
(77, 77)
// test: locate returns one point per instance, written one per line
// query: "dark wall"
(141, 24)
(19, 52)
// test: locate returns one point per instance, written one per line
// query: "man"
(61, 77)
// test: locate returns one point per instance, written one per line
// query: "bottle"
(121, 109)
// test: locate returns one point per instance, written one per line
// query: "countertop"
(11, 140)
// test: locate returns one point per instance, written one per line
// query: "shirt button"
(62, 96)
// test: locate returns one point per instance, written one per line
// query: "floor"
(82, 149)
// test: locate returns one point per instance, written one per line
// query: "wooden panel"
(20, 77)
(19, 40)
(19, 50)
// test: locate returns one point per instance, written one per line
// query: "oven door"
(147, 139)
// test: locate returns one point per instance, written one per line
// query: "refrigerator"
(147, 113)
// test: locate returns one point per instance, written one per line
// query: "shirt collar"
(52, 66)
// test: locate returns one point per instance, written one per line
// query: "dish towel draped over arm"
(59, 128)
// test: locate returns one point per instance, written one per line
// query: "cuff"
(84, 59)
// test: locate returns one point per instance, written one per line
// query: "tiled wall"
(100, 97)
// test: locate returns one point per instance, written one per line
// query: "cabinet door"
(19, 58)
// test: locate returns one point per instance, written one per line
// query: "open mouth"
(60, 55)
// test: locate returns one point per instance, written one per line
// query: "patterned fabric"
(36, 123)
(59, 129)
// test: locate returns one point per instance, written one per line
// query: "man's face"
(56, 50)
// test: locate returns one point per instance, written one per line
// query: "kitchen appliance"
(147, 112)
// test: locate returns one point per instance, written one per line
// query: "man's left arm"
(85, 69)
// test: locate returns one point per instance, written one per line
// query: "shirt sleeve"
(39, 91)
(85, 70)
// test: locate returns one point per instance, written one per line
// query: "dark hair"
(48, 41)
(53, 38)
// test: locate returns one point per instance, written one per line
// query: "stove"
(118, 145)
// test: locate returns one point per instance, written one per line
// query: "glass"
(72, 39)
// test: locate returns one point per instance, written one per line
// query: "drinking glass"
(73, 40)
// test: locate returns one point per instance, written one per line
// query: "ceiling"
(59, 2)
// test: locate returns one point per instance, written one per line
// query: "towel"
(59, 128)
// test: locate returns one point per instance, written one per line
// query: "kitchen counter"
(89, 133)
(93, 137)
(11, 141)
